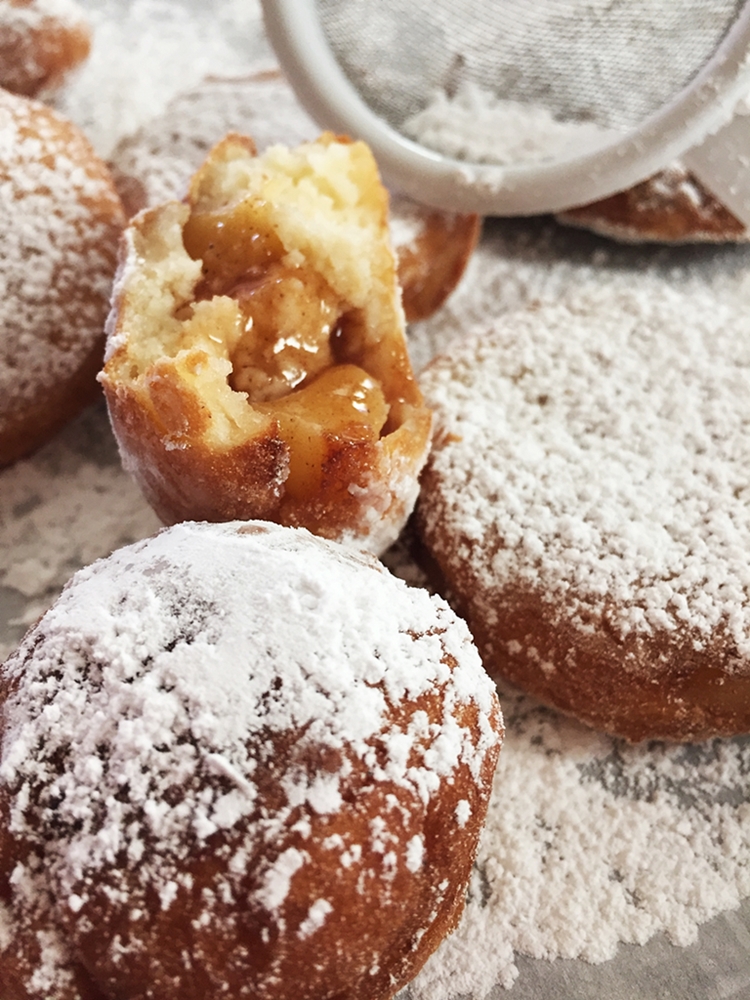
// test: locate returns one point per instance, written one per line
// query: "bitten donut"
(256, 360)
(41, 41)
(238, 760)
(670, 207)
(61, 220)
(587, 502)
(154, 165)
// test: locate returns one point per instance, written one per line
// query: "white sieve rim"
(701, 108)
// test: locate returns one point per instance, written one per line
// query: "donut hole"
(285, 757)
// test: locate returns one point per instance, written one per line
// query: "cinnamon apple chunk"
(256, 362)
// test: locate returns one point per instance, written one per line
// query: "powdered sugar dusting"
(173, 665)
(58, 220)
(476, 126)
(619, 458)
(632, 841)
(315, 918)
(147, 51)
(47, 530)
(71, 503)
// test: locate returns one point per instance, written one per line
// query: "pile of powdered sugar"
(477, 126)
(670, 846)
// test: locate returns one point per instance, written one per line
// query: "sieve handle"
(722, 165)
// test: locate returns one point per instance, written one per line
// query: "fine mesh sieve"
(519, 106)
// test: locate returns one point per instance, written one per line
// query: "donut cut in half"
(256, 362)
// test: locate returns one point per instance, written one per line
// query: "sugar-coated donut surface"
(587, 502)
(238, 761)
(41, 41)
(670, 207)
(61, 220)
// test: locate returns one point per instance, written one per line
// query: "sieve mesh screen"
(598, 65)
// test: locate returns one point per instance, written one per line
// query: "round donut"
(41, 42)
(61, 221)
(238, 760)
(256, 361)
(154, 165)
(670, 207)
(587, 505)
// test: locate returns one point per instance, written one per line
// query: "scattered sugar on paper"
(63, 507)
(147, 51)
(591, 842)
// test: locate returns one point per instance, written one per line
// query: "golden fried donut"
(256, 362)
(670, 207)
(587, 504)
(41, 41)
(153, 165)
(61, 220)
(239, 761)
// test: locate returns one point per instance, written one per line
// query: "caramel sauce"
(344, 402)
(289, 315)
(299, 357)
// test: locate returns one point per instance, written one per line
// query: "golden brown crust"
(193, 481)
(62, 220)
(572, 513)
(671, 207)
(433, 259)
(39, 48)
(638, 687)
(299, 794)
(397, 927)
(26, 429)
(215, 455)
(21, 962)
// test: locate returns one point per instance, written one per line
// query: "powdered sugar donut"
(670, 207)
(234, 752)
(587, 502)
(41, 41)
(257, 362)
(61, 221)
